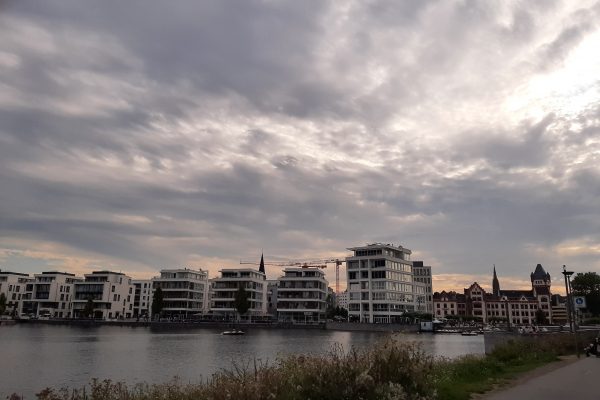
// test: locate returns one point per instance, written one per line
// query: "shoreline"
(170, 325)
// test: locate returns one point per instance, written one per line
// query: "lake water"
(35, 356)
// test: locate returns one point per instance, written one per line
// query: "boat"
(445, 330)
(233, 332)
(469, 333)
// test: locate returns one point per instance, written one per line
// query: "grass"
(390, 370)
(458, 379)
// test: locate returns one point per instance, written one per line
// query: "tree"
(88, 310)
(157, 301)
(2, 303)
(330, 307)
(588, 284)
(240, 301)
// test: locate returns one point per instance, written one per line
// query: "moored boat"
(233, 332)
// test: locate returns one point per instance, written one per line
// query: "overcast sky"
(142, 135)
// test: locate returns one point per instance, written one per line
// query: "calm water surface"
(37, 356)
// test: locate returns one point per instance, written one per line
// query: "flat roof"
(13, 273)
(380, 246)
(56, 273)
(307, 268)
(183, 270)
(241, 270)
(106, 272)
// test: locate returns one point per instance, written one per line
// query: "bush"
(390, 370)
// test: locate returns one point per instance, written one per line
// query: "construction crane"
(310, 263)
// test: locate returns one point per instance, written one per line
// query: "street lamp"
(507, 315)
(567, 275)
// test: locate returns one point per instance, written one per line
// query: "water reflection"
(41, 355)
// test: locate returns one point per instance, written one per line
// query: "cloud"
(146, 135)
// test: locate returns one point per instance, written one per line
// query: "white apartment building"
(111, 292)
(380, 283)
(272, 298)
(185, 292)
(342, 299)
(302, 295)
(142, 298)
(422, 278)
(223, 291)
(52, 294)
(14, 286)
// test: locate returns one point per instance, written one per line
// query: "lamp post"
(567, 275)
(507, 316)
(570, 306)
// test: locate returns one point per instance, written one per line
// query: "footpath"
(577, 379)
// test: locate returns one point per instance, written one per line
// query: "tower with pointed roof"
(261, 268)
(495, 283)
(540, 280)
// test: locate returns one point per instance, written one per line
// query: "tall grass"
(390, 370)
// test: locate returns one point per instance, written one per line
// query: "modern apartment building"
(272, 291)
(185, 292)
(142, 298)
(223, 291)
(302, 295)
(111, 293)
(52, 294)
(422, 278)
(14, 287)
(380, 283)
(342, 299)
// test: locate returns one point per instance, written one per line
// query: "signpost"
(579, 301)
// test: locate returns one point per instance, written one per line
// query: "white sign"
(579, 301)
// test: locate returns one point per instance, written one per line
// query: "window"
(378, 274)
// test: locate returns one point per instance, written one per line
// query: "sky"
(142, 135)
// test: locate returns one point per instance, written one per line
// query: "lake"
(35, 356)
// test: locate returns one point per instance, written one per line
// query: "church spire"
(261, 268)
(495, 283)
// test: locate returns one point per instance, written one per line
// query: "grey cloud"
(289, 126)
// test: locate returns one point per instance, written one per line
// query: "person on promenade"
(592, 348)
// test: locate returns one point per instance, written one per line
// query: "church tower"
(495, 283)
(261, 267)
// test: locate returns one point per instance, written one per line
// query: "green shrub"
(391, 370)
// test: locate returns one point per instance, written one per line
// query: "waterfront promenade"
(572, 380)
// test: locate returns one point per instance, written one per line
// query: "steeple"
(495, 283)
(261, 268)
